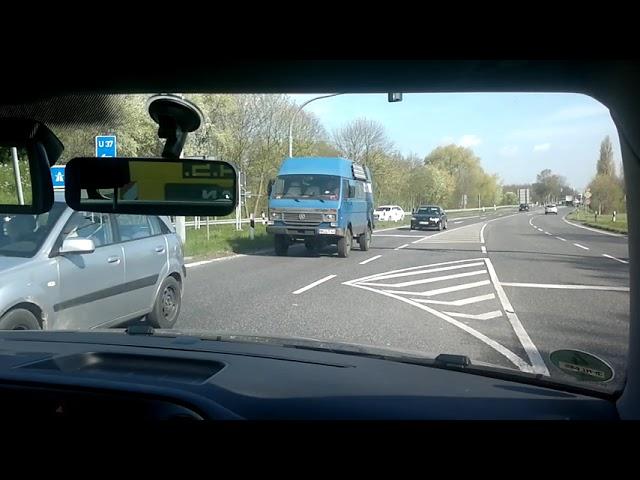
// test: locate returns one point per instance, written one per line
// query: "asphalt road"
(505, 288)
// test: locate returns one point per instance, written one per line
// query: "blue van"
(321, 201)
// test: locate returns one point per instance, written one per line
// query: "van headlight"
(275, 216)
(329, 217)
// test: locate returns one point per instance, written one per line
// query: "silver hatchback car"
(76, 270)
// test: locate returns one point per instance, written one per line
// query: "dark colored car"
(524, 207)
(429, 216)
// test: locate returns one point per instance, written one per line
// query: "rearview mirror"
(77, 245)
(151, 186)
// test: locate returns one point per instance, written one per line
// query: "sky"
(516, 135)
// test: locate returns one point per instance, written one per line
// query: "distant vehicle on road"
(524, 207)
(551, 208)
(429, 216)
(78, 270)
(321, 201)
(389, 213)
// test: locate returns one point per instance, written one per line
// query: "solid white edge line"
(532, 352)
(314, 284)
(483, 249)
(512, 357)
(402, 246)
(565, 287)
(482, 232)
(220, 259)
(614, 258)
(604, 232)
(581, 246)
(370, 259)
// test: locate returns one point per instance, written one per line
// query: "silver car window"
(132, 227)
(94, 226)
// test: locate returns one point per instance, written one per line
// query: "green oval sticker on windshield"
(582, 366)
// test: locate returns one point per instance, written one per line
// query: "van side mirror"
(270, 187)
(352, 191)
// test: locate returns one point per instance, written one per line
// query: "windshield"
(306, 257)
(23, 235)
(428, 211)
(307, 186)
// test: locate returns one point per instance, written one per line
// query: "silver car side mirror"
(77, 245)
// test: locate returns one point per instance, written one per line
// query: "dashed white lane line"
(402, 246)
(530, 220)
(547, 233)
(581, 246)
(370, 259)
(565, 287)
(614, 258)
(560, 238)
(539, 229)
(314, 284)
(455, 223)
(532, 352)
(483, 249)
(481, 316)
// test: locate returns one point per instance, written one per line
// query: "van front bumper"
(297, 231)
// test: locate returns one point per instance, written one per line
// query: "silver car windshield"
(23, 235)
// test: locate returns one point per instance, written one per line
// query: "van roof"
(317, 165)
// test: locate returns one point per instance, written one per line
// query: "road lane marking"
(512, 357)
(560, 238)
(395, 236)
(481, 316)
(427, 280)
(483, 249)
(539, 229)
(370, 259)
(314, 284)
(439, 291)
(428, 270)
(594, 229)
(532, 352)
(402, 246)
(547, 233)
(614, 258)
(566, 287)
(581, 246)
(482, 233)
(530, 220)
(403, 227)
(457, 303)
(369, 277)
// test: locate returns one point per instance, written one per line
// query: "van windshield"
(307, 186)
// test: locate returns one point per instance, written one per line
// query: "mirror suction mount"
(176, 118)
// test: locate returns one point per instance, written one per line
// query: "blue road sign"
(57, 176)
(106, 146)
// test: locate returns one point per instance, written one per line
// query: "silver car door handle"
(159, 249)
(113, 260)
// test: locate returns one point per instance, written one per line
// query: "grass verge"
(604, 222)
(224, 240)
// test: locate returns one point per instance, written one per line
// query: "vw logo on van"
(302, 216)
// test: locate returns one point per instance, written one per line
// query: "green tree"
(606, 194)
(510, 198)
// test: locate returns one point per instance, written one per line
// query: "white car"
(389, 213)
(551, 208)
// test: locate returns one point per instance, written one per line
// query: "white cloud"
(543, 147)
(579, 111)
(509, 150)
(469, 140)
(464, 141)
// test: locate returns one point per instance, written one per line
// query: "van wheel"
(167, 305)
(364, 240)
(19, 319)
(281, 243)
(311, 245)
(344, 244)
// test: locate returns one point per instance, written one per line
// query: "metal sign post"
(17, 175)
